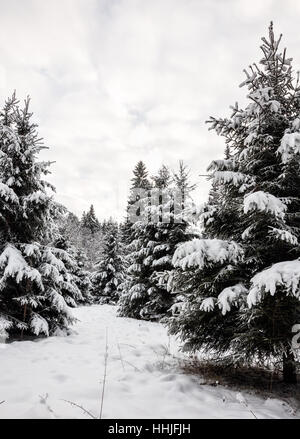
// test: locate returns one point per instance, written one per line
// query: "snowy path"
(142, 383)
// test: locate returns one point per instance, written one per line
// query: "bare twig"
(44, 400)
(104, 374)
(253, 413)
(80, 407)
(121, 358)
(132, 365)
(130, 345)
(244, 403)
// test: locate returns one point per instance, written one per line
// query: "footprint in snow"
(169, 377)
(144, 328)
(61, 378)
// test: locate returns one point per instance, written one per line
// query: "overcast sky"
(116, 81)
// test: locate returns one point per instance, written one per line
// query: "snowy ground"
(143, 380)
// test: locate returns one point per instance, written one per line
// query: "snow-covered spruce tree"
(181, 180)
(155, 248)
(70, 232)
(166, 230)
(109, 270)
(140, 181)
(136, 281)
(91, 237)
(70, 227)
(82, 277)
(243, 277)
(36, 287)
(90, 221)
(155, 237)
(177, 205)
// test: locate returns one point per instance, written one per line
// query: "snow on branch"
(230, 177)
(4, 325)
(202, 252)
(51, 259)
(31, 249)
(136, 291)
(10, 138)
(48, 270)
(289, 146)
(264, 202)
(221, 165)
(59, 302)
(16, 267)
(284, 235)
(61, 254)
(284, 275)
(161, 261)
(229, 296)
(7, 193)
(38, 197)
(208, 304)
(39, 325)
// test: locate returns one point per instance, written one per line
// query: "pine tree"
(36, 287)
(181, 179)
(136, 281)
(151, 252)
(90, 221)
(155, 238)
(69, 239)
(140, 177)
(82, 277)
(139, 182)
(90, 237)
(70, 228)
(242, 279)
(109, 270)
(83, 219)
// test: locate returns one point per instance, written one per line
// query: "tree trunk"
(289, 368)
(24, 319)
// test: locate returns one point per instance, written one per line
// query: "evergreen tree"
(181, 179)
(70, 227)
(90, 237)
(137, 274)
(36, 286)
(140, 177)
(82, 277)
(90, 221)
(242, 279)
(83, 219)
(69, 239)
(108, 273)
(139, 181)
(155, 238)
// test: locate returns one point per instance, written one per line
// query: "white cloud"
(115, 81)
